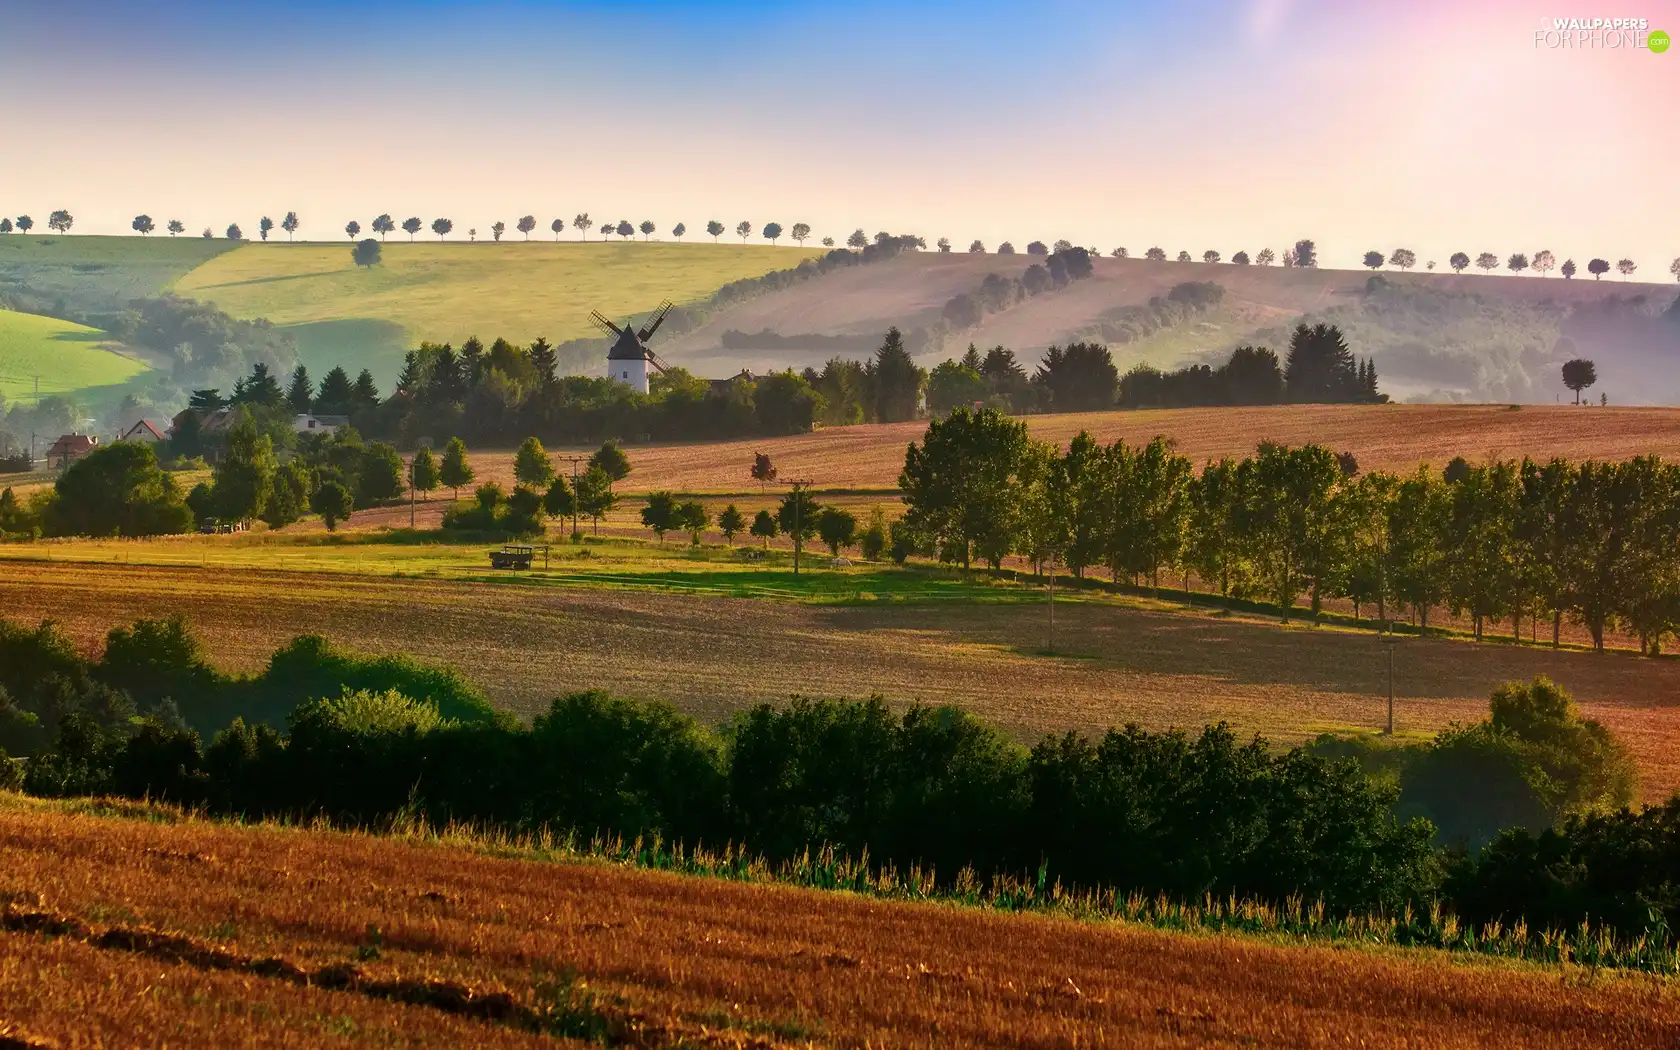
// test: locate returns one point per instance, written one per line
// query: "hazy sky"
(1195, 125)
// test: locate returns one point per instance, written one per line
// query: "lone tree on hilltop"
(858, 240)
(25, 223)
(383, 225)
(366, 252)
(557, 225)
(290, 224)
(763, 471)
(527, 223)
(714, 228)
(1543, 262)
(142, 224)
(581, 223)
(1567, 269)
(234, 233)
(802, 230)
(1266, 257)
(411, 226)
(1306, 253)
(265, 225)
(1374, 260)
(60, 221)
(647, 228)
(1458, 262)
(1404, 258)
(772, 232)
(1578, 374)
(1487, 261)
(744, 230)
(176, 226)
(352, 229)
(441, 227)
(679, 230)
(498, 228)
(1598, 268)
(1517, 263)
(1625, 267)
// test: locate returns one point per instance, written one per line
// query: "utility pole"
(799, 488)
(411, 490)
(575, 461)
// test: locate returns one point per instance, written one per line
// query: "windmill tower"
(629, 358)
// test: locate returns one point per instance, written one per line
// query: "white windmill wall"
(629, 371)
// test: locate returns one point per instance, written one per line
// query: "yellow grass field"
(527, 641)
(445, 292)
(187, 934)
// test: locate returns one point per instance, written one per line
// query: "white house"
(310, 423)
(627, 361)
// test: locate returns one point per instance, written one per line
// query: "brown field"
(191, 934)
(527, 642)
(1383, 437)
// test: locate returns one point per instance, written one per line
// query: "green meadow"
(67, 357)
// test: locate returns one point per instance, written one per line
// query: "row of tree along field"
(1504, 541)
(1303, 253)
(1183, 815)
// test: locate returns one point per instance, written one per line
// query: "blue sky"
(1216, 123)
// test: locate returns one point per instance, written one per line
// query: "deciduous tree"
(1459, 262)
(142, 224)
(531, 465)
(411, 226)
(1578, 374)
(383, 225)
(456, 471)
(290, 224)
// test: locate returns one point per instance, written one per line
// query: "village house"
(313, 423)
(146, 432)
(69, 449)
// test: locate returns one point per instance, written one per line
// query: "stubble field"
(191, 934)
(527, 641)
(1386, 437)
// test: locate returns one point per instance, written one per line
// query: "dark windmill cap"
(628, 347)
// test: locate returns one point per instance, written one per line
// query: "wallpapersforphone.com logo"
(1599, 34)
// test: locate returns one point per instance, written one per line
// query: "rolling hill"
(342, 314)
(1434, 336)
(80, 277)
(63, 356)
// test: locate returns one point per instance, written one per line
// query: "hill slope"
(67, 357)
(1436, 336)
(342, 314)
(264, 936)
(80, 277)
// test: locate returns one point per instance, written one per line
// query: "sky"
(1199, 124)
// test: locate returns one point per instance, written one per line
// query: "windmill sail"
(654, 322)
(606, 326)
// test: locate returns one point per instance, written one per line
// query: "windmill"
(629, 358)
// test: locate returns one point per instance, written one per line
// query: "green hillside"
(366, 318)
(82, 276)
(67, 357)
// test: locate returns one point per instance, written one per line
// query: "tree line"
(1082, 377)
(325, 733)
(1597, 542)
